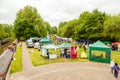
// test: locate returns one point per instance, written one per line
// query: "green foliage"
(6, 31)
(112, 27)
(28, 23)
(61, 28)
(54, 30)
(1, 32)
(91, 25)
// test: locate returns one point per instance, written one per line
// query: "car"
(37, 45)
(30, 45)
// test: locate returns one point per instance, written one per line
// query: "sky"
(56, 11)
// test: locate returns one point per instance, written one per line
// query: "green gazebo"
(99, 52)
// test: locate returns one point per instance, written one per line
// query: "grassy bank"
(37, 59)
(17, 62)
(116, 56)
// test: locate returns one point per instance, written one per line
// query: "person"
(112, 65)
(65, 52)
(47, 54)
(84, 47)
(116, 70)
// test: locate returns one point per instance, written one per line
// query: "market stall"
(46, 53)
(99, 52)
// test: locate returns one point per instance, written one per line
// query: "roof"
(65, 45)
(99, 44)
(49, 46)
(45, 41)
(116, 43)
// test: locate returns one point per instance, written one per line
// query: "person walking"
(116, 70)
(112, 63)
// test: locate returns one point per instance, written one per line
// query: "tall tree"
(91, 25)
(28, 23)
(54, 30)
(61, 28)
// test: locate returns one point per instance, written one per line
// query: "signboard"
(73, 52)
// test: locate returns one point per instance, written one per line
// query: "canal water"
(4, 46)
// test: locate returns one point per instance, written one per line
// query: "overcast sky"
(56, 11)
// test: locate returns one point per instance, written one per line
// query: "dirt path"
(26, 61)
(67, 71)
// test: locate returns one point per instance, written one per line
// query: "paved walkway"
(67, 71)
(26, 61)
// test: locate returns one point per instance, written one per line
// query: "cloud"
(56, 11)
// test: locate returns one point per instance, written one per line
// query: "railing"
(5, 60)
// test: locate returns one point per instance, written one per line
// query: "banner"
(73, 52)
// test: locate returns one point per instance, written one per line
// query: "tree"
(1, 32)
(69, 28)
(61, 28)
(48, 27)
(54, 30)
(8, 30)
(28, 23)
(91, 25)
(112, 27)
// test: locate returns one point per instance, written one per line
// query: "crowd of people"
(115, 69)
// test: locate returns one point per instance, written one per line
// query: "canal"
(4, 46)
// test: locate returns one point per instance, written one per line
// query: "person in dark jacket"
(116, 70)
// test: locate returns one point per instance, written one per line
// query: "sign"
(73, 52)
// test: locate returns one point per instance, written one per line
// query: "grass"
(16, 64)
(38, 60)
(116, 56)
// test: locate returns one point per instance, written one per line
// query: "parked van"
(30, 43)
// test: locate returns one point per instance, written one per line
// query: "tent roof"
(99, 44)
(83, 55)
(65, 45)
(116, 43)
(45, 41)
(107, 42)
(49, 46)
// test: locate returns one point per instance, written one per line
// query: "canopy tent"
(64, 45)
(99, 46)
(115, 44)
(83, 55)
(45, 40)
(49, 46)
(107, 42)
(45, 51)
